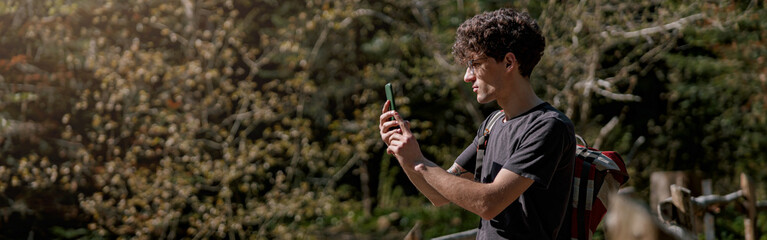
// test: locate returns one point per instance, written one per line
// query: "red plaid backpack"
(598, 175)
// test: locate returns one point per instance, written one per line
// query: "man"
(527, 169)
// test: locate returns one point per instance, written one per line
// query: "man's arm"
(485, 199)
(387, 133)
(418, 180)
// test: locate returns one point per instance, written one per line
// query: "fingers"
(405, 126)
(386, 106)
(391, 131)
(391, 150)
(385, 117)
(395, 147)
(387, 126)
(387, 137)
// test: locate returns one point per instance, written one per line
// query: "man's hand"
(385, 124)
(402, 144)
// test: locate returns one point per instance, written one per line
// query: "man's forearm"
(463, 192)
(418, 180)
(484, 199)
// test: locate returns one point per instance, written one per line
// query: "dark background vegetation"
(258, 119)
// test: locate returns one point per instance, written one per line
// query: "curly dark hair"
(499, 32)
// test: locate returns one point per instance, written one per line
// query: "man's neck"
(518, 99)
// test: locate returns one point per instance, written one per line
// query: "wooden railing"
(677, 217)
(682, 210)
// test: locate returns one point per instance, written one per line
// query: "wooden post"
(708, 218)
(661, 181)
(666, 212)
(682, 200)
(749, 204)
(628, 220)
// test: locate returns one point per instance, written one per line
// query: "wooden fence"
(679, 215)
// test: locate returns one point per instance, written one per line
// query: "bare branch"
(369, 12)
(634, 147)
(589, 81)
(678, 24)
(12, 128)
(29, 68)
(318, 44)
(173, 35)
(604, 131)
(597, 86)
(340, 173)
(255, 65)
(617, 96)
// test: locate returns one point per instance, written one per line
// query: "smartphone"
(390, 97)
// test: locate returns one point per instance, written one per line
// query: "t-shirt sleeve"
(540, 151)
(467, 159)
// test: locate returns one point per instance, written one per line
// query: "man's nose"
(468, 76)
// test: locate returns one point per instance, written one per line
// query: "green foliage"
(715, 97)
(232, 118)
(69, 233)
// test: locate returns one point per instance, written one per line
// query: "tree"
(230, 118)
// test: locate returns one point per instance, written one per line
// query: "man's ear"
(510, 59)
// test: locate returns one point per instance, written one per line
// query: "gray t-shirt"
(540, 145)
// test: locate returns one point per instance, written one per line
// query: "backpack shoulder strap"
(483, 143)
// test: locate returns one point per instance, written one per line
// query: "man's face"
(485, 75)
